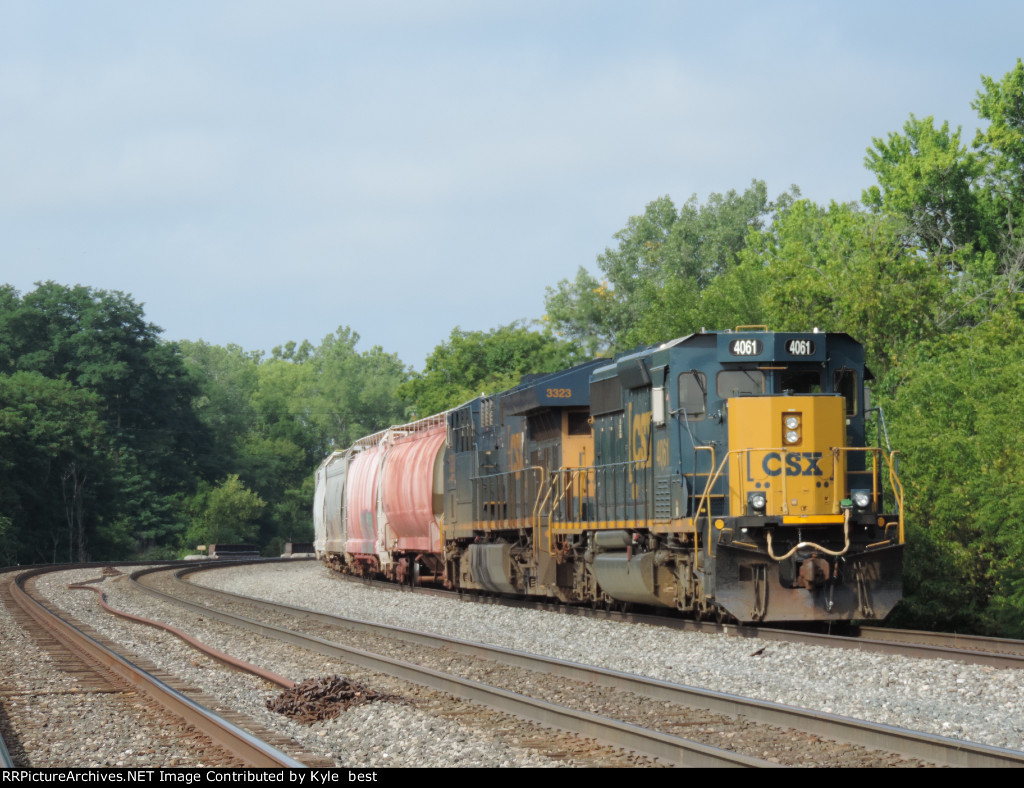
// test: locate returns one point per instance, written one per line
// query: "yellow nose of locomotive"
(782, 462)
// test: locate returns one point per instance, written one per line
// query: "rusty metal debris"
(316, 700)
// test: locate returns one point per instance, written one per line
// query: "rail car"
(726, 474)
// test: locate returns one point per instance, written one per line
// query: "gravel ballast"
(978, 704)
(947, 698)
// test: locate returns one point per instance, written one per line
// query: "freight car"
(725, 474)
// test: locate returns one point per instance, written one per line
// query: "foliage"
(958, 424)
(351, 394)
(475, 362)
(273, 419)
(925, 176)
(224, 514)
(665, 258)
(53, 460)
(1001, 147)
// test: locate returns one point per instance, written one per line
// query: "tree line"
(927, 273)
(115, 443)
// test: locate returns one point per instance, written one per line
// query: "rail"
(225, 733)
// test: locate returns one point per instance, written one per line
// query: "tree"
(475, 362)
(842, 269)
(1001, 146)
(226, 379)
(225, 514)
(54, 466)
(957, 420)
(99, 342)
(349, 394)
(926, 176)
(664, 260)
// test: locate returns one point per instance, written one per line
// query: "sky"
(256, 172)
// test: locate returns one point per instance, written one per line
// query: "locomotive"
(725, 474)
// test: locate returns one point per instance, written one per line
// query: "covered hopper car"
(725, 474)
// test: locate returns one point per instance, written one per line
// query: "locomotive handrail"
(521, 512)
(709, 485)
(836, 450)
(897, 488)
(639, 506)
(704, 499)
(897, 485)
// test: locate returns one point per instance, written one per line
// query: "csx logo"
(795, 463)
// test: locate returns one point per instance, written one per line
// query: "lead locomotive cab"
(806, 534)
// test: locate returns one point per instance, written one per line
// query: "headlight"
(757, 501)
(792, 422)
(792, 436)
(861, 499)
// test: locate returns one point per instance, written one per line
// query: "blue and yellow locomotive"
(726, 474)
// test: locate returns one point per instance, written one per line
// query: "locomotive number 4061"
(800, 347)
(745, 347)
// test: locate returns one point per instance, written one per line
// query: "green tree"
(54, 468)
(224, 514)
(226, 379)
(957, 420)
(475, 362)
(99, 341)
(842, 269)
(349, 394)
(1001, 146)
(927, 177)
(664, 259)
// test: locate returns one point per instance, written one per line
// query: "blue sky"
(258, 172)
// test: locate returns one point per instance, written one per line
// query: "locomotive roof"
(634, 366)
(557, 389)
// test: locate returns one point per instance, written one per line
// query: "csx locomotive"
(725, 474)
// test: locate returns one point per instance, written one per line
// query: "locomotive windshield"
(799, 380)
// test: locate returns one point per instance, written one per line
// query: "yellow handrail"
(876, 493)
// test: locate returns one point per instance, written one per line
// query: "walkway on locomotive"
(661, 422)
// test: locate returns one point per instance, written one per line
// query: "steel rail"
(936, 749)
(1013, 649)
(673, 749)
(240, 742)
(974, 650)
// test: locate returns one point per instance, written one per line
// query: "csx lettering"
(797, 464)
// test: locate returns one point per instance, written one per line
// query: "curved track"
(971, 649)
(649, 742)
(911, 744)
(239, 744)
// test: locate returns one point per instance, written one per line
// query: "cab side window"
(693, 394)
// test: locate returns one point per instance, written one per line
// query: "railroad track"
(637, 738)
(970, 649)
(723, 709)
(96, 670)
